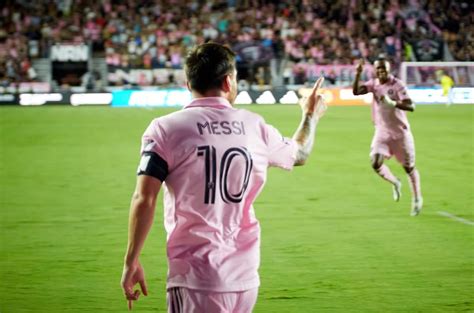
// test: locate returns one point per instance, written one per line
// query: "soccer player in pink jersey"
(392, 136)
(211, 160)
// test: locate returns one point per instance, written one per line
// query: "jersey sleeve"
(281, 150)
(369, 85)
(155, 158)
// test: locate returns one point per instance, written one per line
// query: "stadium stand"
(278, 42)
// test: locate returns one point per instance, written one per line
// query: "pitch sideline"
(456, 218)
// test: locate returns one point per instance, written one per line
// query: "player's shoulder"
(446, 78)
(371, 84)
(167, 121)
(397, 81)
(370, 81)
(180, 117)
(173, 116)
(249, 115)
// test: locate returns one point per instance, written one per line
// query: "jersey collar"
(213, 102)
(390, 79)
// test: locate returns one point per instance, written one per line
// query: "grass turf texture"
(333, 240)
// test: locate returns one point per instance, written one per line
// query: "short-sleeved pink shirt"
(388, 120)
(217, 158)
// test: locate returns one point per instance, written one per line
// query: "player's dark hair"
(382, 58)
(207, 65)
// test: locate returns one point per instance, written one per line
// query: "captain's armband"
(152, 164)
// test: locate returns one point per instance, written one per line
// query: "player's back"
(217, 158)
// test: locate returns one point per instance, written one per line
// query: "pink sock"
(414, 180)
(386, 174)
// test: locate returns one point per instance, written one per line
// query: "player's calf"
(417, 199)
(416, 206)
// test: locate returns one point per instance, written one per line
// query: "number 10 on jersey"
(229, 156)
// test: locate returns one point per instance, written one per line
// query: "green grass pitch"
(333, 240)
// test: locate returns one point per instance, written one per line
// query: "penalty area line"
(456, 218)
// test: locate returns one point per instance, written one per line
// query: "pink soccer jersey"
(214, 164)
(387, 120)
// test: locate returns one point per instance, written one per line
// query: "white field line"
(456, 218)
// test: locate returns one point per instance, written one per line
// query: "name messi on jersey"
(221, 128)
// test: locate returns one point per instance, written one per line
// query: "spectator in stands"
(159, 35)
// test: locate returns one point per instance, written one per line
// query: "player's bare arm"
(142, 211)
(313, 108)
(356, 89)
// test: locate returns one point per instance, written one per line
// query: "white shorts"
(185, 300)
(403, 148)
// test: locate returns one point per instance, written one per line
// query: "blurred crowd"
(273, 38)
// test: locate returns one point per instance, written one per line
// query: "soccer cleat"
(416, 206)
(397, 190)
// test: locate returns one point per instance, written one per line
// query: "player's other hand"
(387, 101)
(133, 274)
(360, 66)
(314, 105)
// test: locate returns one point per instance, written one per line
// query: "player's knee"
(409, 169)
(376, 164)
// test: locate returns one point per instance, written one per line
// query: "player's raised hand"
(133, 274)
(360, 66)
(314, 104)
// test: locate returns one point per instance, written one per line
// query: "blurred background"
(66, 46)
(333, 240)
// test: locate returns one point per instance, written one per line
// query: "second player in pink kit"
(212, 160)
(393, 136)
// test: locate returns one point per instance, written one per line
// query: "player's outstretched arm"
(142, 211)
(313, 108)
(356, 88)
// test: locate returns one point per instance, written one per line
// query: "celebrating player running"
(392, 130)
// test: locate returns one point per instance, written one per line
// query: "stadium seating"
(280, 43)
